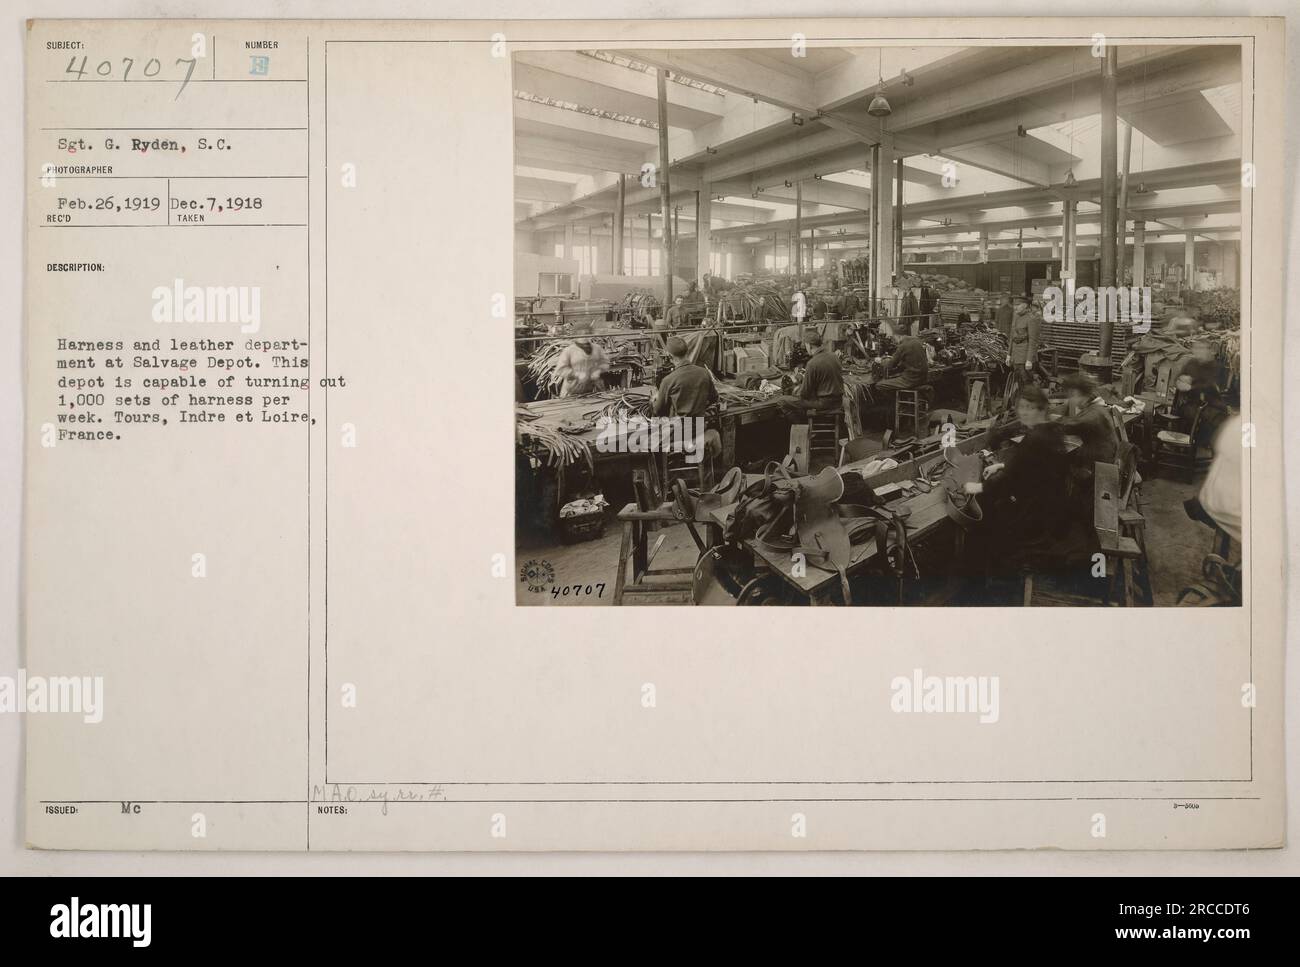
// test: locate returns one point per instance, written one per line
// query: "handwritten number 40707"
(151, 69)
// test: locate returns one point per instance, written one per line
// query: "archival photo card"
(966, 332)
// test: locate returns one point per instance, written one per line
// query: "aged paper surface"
(271, 527)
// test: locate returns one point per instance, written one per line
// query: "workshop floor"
(1175, 544)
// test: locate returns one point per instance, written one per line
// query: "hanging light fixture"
(1070, 180)
(879, 106)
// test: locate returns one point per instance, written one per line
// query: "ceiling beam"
(592, 82)
(562, 154)
(532, 117)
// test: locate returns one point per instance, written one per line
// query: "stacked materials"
(754, 301)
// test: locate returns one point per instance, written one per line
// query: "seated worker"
(913, 359)
(1200, 392)
(688, 390)
(822, 388)
(1024, 497)
(694, 297)
(819, 307)
(1092, 423)
(581, 364)
(676, 317)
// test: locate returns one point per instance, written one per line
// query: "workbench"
(574, 410)
(927, 516)
(936, 375)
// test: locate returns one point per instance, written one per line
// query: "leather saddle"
(694, 505)
(822, 537)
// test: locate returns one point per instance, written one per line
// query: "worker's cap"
(1080, 383)
(813, 337)
(676, 346)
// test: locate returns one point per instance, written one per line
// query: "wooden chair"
(670, 464)
(1179, 451)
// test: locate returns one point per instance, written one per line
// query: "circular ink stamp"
(537, 575)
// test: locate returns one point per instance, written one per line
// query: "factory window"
(776, 263)
(635, 260)
(554, 283)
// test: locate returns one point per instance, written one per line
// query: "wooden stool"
(912, 406)
(824, 432)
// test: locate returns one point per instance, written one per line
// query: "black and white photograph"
(955, 315)
(880, 325)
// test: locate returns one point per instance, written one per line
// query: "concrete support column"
(1074, 240)
(703, 237)
(1139, 252)
(1189, 260)
(617, 226)
(898, 215)
(649, 244)
(798, 229)
(882, 201)
(1120, 254)
(1109, 172)
(665, 194)
(984, 246)
(1068, 242)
